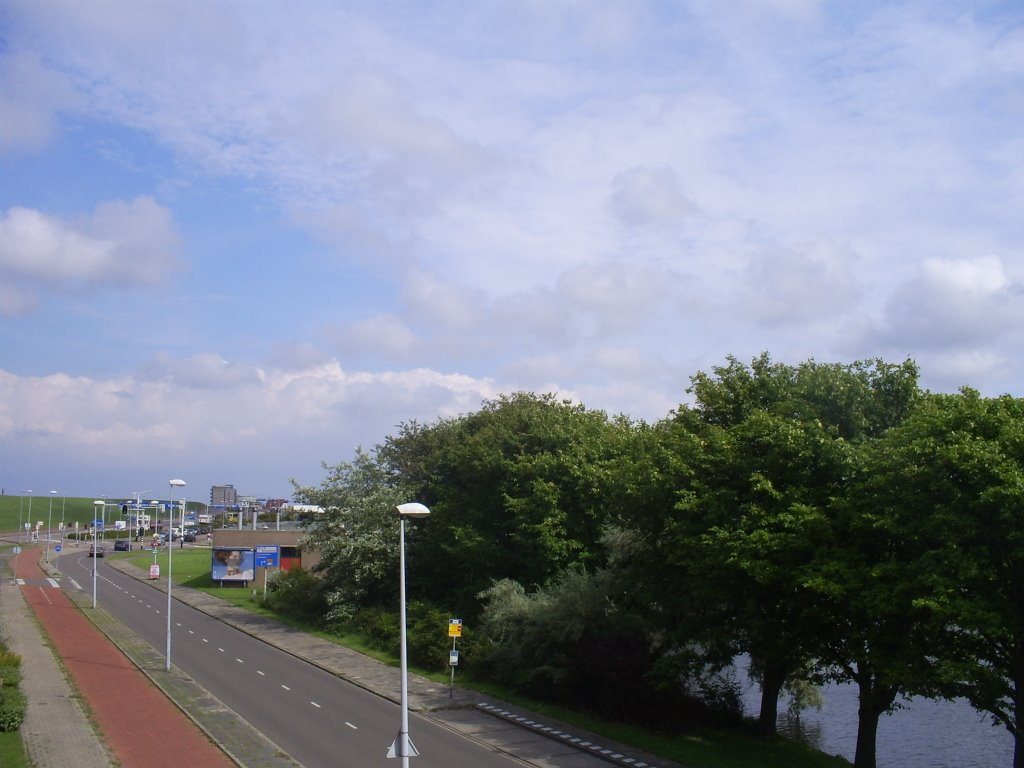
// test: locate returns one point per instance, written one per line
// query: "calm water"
(925, 734)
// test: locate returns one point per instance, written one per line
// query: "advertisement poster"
(233, 564)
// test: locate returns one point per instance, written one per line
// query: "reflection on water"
(922, 734)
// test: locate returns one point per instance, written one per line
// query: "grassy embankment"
(707, 749)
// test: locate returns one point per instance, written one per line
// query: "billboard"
(233, 564)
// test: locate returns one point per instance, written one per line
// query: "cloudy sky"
(239, 239)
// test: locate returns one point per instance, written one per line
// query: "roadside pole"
(454, 632)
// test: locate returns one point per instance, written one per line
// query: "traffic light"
(124, 509)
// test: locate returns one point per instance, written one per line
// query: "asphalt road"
(312, 715)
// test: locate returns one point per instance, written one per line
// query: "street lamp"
(402, 746)
(29, 492)
(49, 526)
(176, 483)
(101, 507)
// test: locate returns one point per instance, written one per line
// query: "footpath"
(535, 741)
(101, 687)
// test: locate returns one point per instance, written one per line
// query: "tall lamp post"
(403, 746)
(99, 506)
(29, 492)
(49, 526)
(176, 483)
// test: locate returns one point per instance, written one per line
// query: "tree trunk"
(867, 735)
(874, 700)
(1018, 704)
(772, 680)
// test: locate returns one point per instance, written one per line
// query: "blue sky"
(239, 239)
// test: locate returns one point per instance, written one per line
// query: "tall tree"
(953, 478)
(516, 490)
(759, 459)
(357, 534)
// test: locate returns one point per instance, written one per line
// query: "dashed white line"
(354, 728)
(285, 687)
(316, 705)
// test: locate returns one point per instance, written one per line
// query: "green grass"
(12, 750)
(15, 509)
(737, 748)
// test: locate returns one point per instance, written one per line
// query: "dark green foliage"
(297, 593)
(12, 708)
(569, 643)
(517, 490)
(428, 642)
(10, 668)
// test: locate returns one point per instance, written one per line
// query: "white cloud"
(121, 243)
(31, 96)
(953, 304)
(814, 283)
(180, 420)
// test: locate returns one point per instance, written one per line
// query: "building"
(223, 497)
(237, 552)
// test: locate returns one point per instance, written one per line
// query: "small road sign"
(454, 627)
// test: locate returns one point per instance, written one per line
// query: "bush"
(10, 668)
(12, 708)
(296, 593)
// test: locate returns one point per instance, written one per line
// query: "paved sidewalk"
(56, 731)
(118, 695)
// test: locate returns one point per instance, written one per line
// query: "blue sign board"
(267, 556)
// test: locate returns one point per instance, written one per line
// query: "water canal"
(923, 734)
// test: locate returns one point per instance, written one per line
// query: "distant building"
(223, 497)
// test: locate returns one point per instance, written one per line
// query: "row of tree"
(831, 521)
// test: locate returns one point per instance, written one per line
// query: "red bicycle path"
(120, 697)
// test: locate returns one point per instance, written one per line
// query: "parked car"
(122, 545)
(190, 536)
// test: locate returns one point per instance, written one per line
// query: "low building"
(238, 554)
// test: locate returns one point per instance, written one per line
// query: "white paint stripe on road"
(54, 583)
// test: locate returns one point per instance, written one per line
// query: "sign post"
(267, 556)
(454, 632)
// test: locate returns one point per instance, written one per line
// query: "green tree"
(952, 478)
(736, 503)
(357, 535)
(516, 491)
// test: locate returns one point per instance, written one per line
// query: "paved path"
(123, 702)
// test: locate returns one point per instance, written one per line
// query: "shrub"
(12, 708)
(10, 668)
(296, 593)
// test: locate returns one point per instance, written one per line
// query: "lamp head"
(99, 503)
(412, 509)
(177, 483)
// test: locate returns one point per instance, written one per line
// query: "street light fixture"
(49, 526)
(402, 746)
(100, 506)
(176, 483)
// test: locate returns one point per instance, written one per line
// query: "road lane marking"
(316, 705)
(354, 728)
(285, 687)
